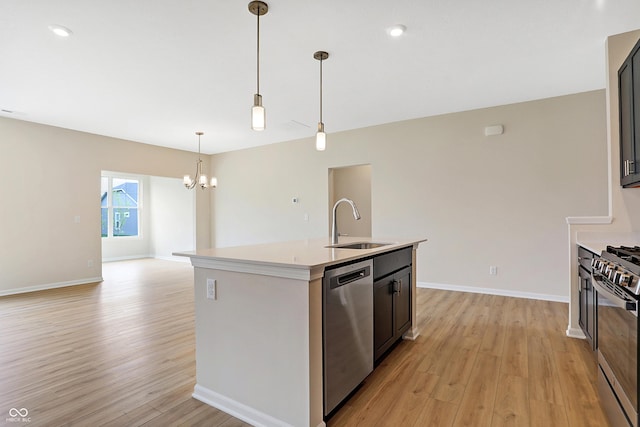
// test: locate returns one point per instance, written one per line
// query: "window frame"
(111, 220)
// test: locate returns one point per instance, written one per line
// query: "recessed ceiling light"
(60, 31)
(397, 30)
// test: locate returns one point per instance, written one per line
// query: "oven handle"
(631, 306)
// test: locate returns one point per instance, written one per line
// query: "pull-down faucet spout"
(334, 226)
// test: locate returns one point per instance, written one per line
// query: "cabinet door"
(383, 331)
(582, 318)
(592, 306)
(635, 136)
(402, 303)
(587, 306)
(627, 155)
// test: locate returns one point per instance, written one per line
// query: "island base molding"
(412, 334)
(237, 409)
(575, 333)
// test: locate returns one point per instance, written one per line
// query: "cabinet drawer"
(391, 262)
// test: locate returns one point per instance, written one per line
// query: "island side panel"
(253, 347)
(315, 349)
(413, 332)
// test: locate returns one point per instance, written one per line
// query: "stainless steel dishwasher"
(347, 325)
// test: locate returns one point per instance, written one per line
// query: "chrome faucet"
(334, 226)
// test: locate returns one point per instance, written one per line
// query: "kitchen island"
(258, 320)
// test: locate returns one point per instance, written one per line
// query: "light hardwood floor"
(121, 353)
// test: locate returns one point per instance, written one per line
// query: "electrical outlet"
(211, 288)
(493, 270)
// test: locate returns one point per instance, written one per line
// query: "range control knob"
(624, 279)
(606, 267)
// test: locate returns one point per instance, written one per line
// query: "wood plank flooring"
(121, 353)
(481, 360)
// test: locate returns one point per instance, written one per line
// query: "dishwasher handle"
(349, 277)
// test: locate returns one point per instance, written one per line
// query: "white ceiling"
(157, 71)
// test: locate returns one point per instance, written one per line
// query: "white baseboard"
(132, 257)
(576, 333)
(46, 286)
(125, 258)
(174, 258)
(492, 291)
(236, 409)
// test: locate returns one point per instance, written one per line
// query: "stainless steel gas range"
(616, 278)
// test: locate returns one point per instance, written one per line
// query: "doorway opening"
(145, 217)
(352, 182)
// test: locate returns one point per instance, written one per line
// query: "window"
(120, 206)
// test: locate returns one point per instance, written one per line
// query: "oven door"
(618, 346)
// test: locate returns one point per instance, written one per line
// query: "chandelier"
(200, 178)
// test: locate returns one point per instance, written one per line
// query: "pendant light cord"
(198, 148)
(320, 90)
(258, 56)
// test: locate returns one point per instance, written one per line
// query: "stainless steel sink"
(358, 245)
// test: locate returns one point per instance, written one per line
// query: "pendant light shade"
(258, 114)
(321, 137)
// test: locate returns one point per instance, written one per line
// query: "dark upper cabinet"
(629, 110)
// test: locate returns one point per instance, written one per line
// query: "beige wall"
(51, 176)
(172, 211)
(480, 201)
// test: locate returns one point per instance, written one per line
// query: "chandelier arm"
(194, 181)
(192, 184)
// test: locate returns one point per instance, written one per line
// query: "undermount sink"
(358, 245)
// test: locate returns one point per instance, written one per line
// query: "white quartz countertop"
(597, 242)
(305, 254)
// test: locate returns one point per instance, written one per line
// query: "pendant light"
(321, 137)
(258, 114)
(200, 178)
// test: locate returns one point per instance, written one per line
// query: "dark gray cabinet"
(587, 298)
(391, 299)
(629, 118)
